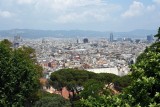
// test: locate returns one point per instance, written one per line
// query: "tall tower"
(16, 41)
(77, 41)
(111, 37)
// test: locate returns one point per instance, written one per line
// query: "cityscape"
(103, 55)
(79, 53)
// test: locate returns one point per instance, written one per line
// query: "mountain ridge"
(35, 33)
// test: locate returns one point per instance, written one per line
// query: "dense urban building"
(99, 55)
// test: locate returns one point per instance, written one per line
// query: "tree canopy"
(92, 88)
(6, 42)
(19, 76)
(70, 78)
(91, 84)
(158, 34)
(51, 100)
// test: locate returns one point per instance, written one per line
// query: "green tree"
(51, 100)
(122, 82)
(158, 35)
(91, 83)
(6, 42)
(19, 77)
(106, 77)
(92, 88)
(146, 77)
(30, 52)
(70, 78)
(103, 101)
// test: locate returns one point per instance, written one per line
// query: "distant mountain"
(143, 31)
(30, 33)
(138, 33)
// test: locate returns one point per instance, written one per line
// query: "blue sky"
(100, 15)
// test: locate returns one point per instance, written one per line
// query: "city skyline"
(100, 15)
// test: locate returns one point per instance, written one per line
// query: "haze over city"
(99, 15)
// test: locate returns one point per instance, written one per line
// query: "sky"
(99, 15)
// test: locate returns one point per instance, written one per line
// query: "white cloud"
(65, 11)
(72, 11)
(25, 1)
(151, 7)
(135, 9)
(62, 5)
(156, 1)
(67, 18)
(5, 14)
(86, 16)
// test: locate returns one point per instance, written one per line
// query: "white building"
(109, 70)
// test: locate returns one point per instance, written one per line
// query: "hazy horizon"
(77, 30)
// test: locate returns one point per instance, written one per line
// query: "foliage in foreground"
(51, 100)
(93, 84)
(19, 76)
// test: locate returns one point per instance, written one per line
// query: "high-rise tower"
(111, 37)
